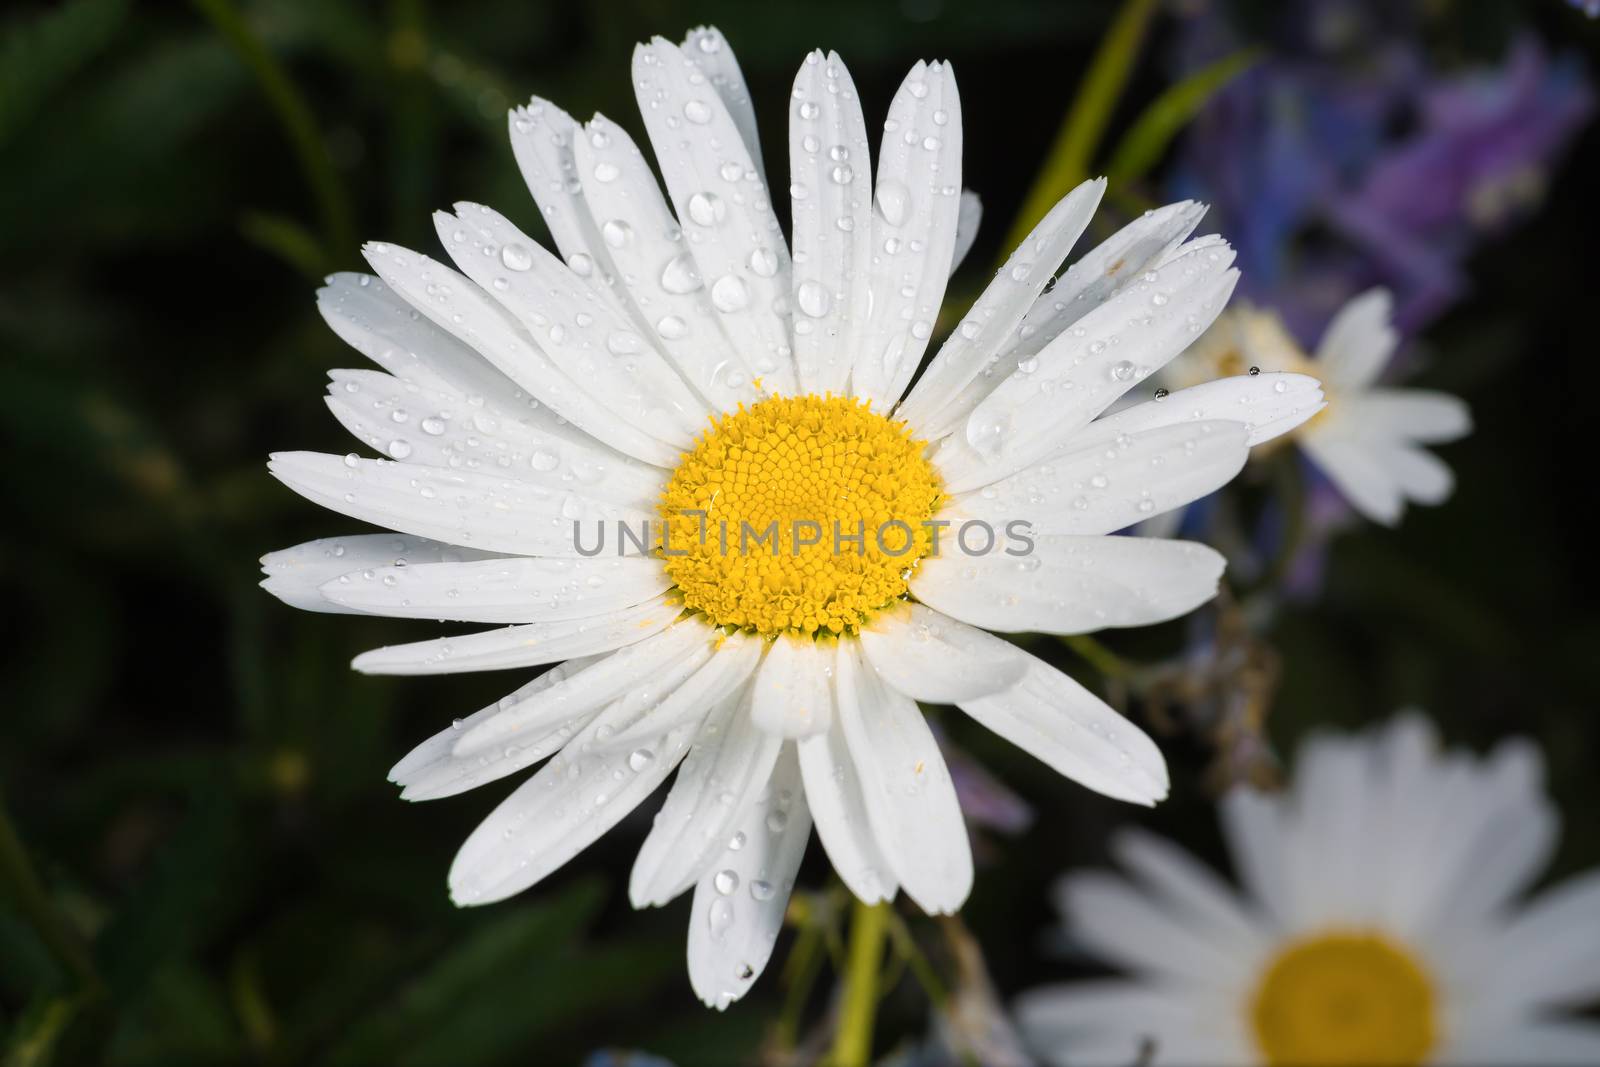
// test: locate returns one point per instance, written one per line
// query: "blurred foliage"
(220, 872)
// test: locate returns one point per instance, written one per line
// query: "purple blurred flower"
(624, 1058)
(1347, 161)
(1588, 7)
(986, 802)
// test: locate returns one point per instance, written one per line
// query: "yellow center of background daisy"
(798, 514)
(1346, 1000)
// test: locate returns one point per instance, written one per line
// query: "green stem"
(294, 115)
(906, 947)
(21, 881)
(805, 963)
(1101, 658)
(1067, 164)
(1289, 483)
(852, 1042)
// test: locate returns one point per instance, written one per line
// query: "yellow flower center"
(1344, 1000)
(798, 514)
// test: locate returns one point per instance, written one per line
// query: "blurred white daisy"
(1380, 924)
(679, 359)
(1369, 438)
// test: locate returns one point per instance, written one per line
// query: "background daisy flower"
(1380, 921)
(1369, 439)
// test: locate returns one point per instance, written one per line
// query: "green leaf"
(1141, 147)
(286, 239)
(40, 55)
(486, 967)
(196, 885)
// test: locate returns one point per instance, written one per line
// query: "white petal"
(989, 326)
(726, 768)
(1104, 269)
(935, 659)
(438, 428)
(833, 792)
(638, 665)
(733, 661)
(431, 770)
(377, 322)
(502, 590)
(655, 266)
(830, 177)
(1422, 476)
(294, 574)
(917, 199)
(1359, 341)
(1106, 487)
(581, 793)
(1549, 954)
(1253, 826)
(739, 902)
(1038, 409)
(465, 311)
(1269, 404)
(1507, 849)
(1121, 924)
(578, 328)
(1421, 415)
(722, 205)
(911, 801)
(1210, 906)
(969, 215)
(1359, 471)
(1532, 1042)
(542, 137)
(523, 646)
(1111, 1023)
(1070, 584)
(793, 692)
(712, 54)
(458, 507)
(1057, 721)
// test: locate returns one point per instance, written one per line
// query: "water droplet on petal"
(729, 293)
(813, 299)
(516, 257)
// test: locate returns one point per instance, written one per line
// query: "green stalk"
(852, 1042)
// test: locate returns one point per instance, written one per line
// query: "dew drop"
(728, 293)
(707, 209)
(893, 201)
(813, 299)
(680, 276)
(763, 262)
(516, 257)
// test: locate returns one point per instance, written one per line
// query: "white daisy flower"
(1369, 439)
(1379, 924)
(679, 364)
